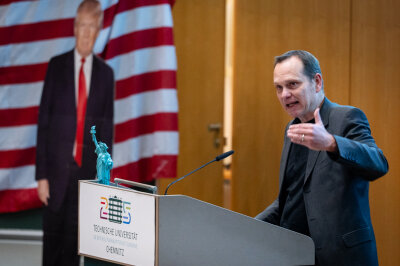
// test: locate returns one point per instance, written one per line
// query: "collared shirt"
(294, 216)
(87, 69)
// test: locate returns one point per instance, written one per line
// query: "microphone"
(218, 158)
(224, 155)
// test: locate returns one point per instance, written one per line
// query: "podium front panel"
(192, 232)
(117, 224)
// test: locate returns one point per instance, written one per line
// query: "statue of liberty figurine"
(104, 161)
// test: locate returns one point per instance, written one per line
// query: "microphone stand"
(218, 158)
(170, 184)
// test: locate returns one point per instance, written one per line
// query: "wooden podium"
(124, 226)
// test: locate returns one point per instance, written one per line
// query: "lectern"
(128, 227)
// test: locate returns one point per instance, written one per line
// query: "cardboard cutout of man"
(78, 92)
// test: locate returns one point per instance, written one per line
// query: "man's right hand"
(43, 191)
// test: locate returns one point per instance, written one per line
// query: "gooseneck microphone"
(218, 158)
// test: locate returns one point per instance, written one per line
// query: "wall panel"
(374, 88)
(199, 32)
(264, 29)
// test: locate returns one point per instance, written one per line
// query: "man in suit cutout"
(328, 159)
(78, 93)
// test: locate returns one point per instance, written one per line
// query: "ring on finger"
(302, 138)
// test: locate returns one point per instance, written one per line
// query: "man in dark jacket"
(328, 159)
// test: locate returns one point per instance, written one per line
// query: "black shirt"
(294, 215)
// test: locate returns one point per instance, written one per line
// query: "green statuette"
(104, 161)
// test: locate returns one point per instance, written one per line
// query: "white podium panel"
(116, 225)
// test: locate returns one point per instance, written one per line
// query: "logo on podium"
(115, 210)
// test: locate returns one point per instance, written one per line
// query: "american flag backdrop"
(136, 41)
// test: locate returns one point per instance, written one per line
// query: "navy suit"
(336, 188)
(56, 136)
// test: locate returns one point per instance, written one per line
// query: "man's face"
(296, 92)
(86, 29)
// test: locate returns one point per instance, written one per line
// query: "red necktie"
(81, 110)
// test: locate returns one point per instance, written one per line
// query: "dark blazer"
(336, 187)
(57, 123)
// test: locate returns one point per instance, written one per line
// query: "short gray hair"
(310, 62)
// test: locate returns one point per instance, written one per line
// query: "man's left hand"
(313, 136)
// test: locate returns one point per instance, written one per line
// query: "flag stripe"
(147, 169)
(19, 200)
(145, 146)
(35, 32)
(6, 2)
(42, 51)
(38, 11)
(138, 40)
(24, 174)
(34, 52)
(124, 131)
(142, 18)
(20, 137)
(23, 74)
(18, 117)
(20, 95)
(28, 94)
(145, 82)
(159, 58)
(146, 125)
(63, 27)
(126, 5)
(146, 103)
(16, 158)
(21, 13)
(156, 58)
(132, 86)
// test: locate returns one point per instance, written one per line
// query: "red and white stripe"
(136, 41)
